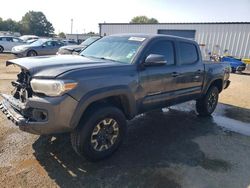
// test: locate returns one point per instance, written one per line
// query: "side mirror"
(155, 60)
(43, 46)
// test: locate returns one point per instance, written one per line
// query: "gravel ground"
(169, 148)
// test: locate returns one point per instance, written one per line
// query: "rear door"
(190, 70)
(48, 48)
(157, 82)
(7, 43)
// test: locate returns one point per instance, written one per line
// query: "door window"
(49, 43)
(16, 40)
(165, 48)
(188, 53)
(9, 39)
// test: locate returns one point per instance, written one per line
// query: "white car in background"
(25, 38)
(8, 42)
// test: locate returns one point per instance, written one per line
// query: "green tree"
(62, 35)
(91, 33)
(143, 19)
(36, 23)
(9, 25)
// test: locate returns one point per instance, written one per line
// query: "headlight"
(52, 87)
(19, 48)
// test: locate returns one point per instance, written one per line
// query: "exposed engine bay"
(22, 86)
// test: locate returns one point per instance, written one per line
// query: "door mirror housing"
(44, 45)
(155, 60)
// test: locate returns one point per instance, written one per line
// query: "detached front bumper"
(47, 115)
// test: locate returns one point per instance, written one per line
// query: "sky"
(86, 14)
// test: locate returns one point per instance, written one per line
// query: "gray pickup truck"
(113, 80)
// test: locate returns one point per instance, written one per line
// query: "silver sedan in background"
(37, 48)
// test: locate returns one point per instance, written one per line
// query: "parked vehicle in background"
(77, 48)
(37, 48)
(8, 42)
(31, 41)
(28, 37)
(237, 65)
(69, 42)
(246, 60)
(113, 80)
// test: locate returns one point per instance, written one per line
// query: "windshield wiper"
(104, 58)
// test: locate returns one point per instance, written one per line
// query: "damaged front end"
(35, 113)
(13, 106)
(16, 106)
(22, 88)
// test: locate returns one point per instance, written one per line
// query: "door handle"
(198, 71)
(175, 74)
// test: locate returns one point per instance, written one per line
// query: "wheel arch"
(31, 50)
(2, 47)
(216, 82)
(119, 97)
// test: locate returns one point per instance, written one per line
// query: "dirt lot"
(173, 148)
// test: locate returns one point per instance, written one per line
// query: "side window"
(165, 48)
(9, 39)
(58, 43)
(188, 53)
(54, 43)
(49, 43)
(16, 40)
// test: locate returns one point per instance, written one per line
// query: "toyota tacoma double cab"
(92, 95)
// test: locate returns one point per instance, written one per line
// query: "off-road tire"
(205, 106)
(81, 138)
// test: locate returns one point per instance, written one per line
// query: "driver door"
(158, 82)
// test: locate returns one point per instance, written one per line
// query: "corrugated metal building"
(234, 37)
(79, 37)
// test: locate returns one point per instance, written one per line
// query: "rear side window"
(16, 40)
(9, 39)
(188, 53)
(3, 39)
(164, 48)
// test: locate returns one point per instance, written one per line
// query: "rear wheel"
(207, 104)
(233, 70)
(1, 49)
(100, 134)
(31, 53)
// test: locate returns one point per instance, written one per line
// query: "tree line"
(36, 23)
(32, 22)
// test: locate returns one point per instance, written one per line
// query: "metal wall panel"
(235, 37)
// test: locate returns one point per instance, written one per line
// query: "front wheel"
(207, 104)
(100, 134)
(1, 49)
(31, 53)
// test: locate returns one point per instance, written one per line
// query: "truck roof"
(150, 36)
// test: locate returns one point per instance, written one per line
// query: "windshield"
(121, 49)
(39, 42)
(89, 41)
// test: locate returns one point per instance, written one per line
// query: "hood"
(73, 47)
(52, 66)
(23, 46)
